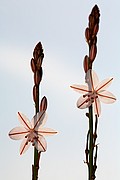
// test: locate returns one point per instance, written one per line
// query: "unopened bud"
(34, 93)
(37, 51)
(91, 21)
(87, 34)
(93, 52)
(96, 28)
(37, 78)
(86, 63)
(33, 65)
(39, 62)
(94, 40)
(43, 104)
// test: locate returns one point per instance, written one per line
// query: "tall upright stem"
(91, 38)
(36, 153)
(90, 130)
(90, 143)
(36, 66)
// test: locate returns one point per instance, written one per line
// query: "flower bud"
(38, 51)
(93, 52)
(94, 40)
(87, 34)
(39, 62)
(96, 28)
(34, 93)
(91, 21)
(86, 63)
(37, 77)
(33, 65)
(43, 104)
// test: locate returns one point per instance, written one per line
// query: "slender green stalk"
(91, 38)
(90, 166)
(36, 153)
(36, 66)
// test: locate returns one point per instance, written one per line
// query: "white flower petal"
(24, 120)
(24, 146)
(80, 88)
(91, 79)
(41, 144)
(39, 119)
(97, 107)
(83, 102)
(46, 131)
(103, 85)
(18, 133)
(107, 97)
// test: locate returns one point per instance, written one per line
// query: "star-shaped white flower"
(32, 132)
(94, 92)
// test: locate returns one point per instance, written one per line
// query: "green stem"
(36, 153)
(91, 143)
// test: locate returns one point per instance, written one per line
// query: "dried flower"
(94, 92)
(32, 132)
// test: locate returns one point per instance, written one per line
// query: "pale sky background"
(59, 25)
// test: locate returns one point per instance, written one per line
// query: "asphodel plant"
(93, 93)
(33, 132)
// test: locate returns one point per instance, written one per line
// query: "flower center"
(91, 96)
(31, 136)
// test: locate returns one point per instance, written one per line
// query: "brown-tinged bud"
(39, 62)
(94, 18)
(87, 34)
(33, 65)
(91, 22)
(43, 104)
(34, 93)
(86, 63)
(94, 40)
(38, 51)
(96, 13)
(93, 52)
(96, 28)
(37, 78)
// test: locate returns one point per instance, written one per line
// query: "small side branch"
(87, 150)
(95, 159)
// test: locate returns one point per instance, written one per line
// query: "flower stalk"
(92, 93)
(90, 165)
(36, 66)
(33, 132)
(92, 41)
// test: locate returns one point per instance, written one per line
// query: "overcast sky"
(59, 25)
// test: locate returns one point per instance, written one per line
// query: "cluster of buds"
(91, 37)
(36, 66)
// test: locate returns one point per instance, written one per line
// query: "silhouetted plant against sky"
(33, 132)
(93, 92)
